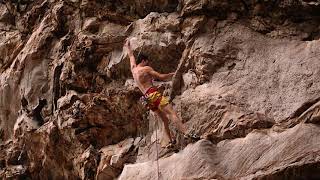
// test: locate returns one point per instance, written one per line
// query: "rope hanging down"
(158, 168)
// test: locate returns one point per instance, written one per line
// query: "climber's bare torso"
(142, 78)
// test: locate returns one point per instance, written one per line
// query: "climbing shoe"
(191, 136)
(171, 144)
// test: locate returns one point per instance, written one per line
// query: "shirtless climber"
(143, 76)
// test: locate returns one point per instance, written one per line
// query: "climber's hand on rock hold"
(127, 44)
(128, 48)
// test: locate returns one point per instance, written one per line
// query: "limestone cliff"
(247, 80)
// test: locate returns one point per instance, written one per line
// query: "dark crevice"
(81, 130)
(24, 102)
(245, 5)
(310, 171)
(229, 123)
(76, 88)
(230, 67)
(56, 85)
(312, 36)
(62, 29)
(1, 134)
(62, 23)
(66, 43)
(34, 16)
(72, 101)
(2, 163)
(305, 106)
(36, 112)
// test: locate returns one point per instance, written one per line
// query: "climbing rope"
(158, 168)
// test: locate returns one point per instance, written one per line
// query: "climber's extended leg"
(155, 101)
(171, 113)
(165, 121)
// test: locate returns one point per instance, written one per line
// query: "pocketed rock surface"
(246, 81)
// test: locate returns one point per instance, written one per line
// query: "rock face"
(247, 81)
(261, 154)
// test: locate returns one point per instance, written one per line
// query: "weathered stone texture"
(247, 81)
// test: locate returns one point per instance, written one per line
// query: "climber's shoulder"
(142, 70)
(148, 68)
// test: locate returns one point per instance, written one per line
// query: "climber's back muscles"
(142, 73)
(142, 77)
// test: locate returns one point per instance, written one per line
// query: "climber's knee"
(168, 109)
(172, 114)
(162, 116)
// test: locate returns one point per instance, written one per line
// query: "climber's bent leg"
(171, 113)
(165, 121)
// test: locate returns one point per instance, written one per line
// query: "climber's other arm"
(133, 63)
(159, 76)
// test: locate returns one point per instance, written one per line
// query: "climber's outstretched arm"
(162, 77)
(133, 63)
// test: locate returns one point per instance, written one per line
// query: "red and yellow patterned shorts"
(153, 99)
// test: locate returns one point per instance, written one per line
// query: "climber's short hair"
(142, 57)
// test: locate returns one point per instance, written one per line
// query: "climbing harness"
(144, 100)
(152, 99)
